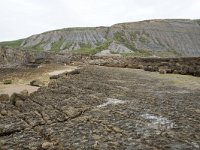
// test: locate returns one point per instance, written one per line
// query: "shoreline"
(22, 82)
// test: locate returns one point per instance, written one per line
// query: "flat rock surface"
(104, 108)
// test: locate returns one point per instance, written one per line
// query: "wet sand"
(17, 88)
(21, 79)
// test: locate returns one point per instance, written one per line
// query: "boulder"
(24, 93)
(73, 72)
(37, 83)
(3, 112)
(54, 77)
(17, 99)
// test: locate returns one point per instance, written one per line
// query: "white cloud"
(22, 18)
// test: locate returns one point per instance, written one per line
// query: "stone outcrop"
(11, 57)
(37, 83)
(183, 65)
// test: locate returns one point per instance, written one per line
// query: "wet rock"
(17, 99)
(24, 93)
(18, 103)
(54, 77)
(37, 83)
(76, 71)
(4, 97)
(70, 111)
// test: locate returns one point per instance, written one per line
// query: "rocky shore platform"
(100, 107)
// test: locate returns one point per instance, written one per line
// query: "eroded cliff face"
(180, 37)
(11, 57)
(71, 38)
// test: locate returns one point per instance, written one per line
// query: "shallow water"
(111, 101)
(23, 83)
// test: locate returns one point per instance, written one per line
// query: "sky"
(22, 18)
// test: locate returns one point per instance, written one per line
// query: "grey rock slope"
(71, 38)
(181, 36)
(178, 36)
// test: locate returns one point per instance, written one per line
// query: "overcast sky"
(22, 18)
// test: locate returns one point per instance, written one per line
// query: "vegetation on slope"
(13, 44)
(148, 53)
(89, 50)
(56, 45)
(120, 38)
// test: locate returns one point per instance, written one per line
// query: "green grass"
(13, 44)
(148, 53)
(103, 46)
(120, 38)
(179, 80)
(85, 46)
(171, 53)
(56, 45)
(36, 48)
(67, 45)
(89, 50)
(134, 35)
(143, 39)
(138, 53)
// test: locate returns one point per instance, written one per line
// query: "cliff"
(177, 37)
